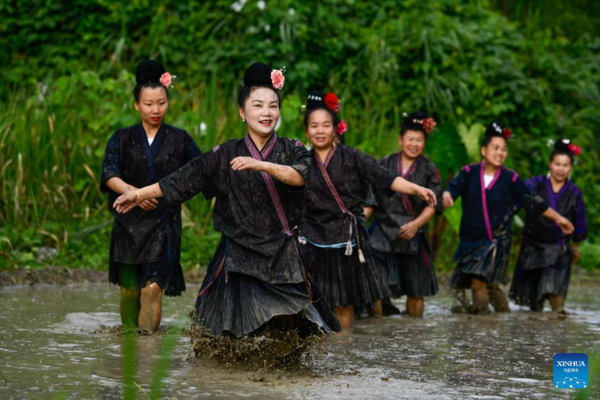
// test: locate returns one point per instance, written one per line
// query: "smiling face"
(152, 105)
(495, 152)
(261, 111)
(560, 167)
(412, 143)
(320, 130)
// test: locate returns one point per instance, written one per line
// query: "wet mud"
(66, 342)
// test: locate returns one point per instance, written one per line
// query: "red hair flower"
(576, 150)
(506, 133)
(428, 125)
(341, 128)
(332, 102)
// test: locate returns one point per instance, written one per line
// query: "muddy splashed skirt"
(344, 280)
(241, 304)
(530, 287)
(412, 275)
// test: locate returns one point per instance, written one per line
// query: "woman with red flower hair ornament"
(257, 278)
(334, 241)
(400, 235)
(544, 266)
(145, 244)
(490, 194)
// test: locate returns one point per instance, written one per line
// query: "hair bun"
(562, 145)
(258, 74)
(315, 99)
(149, 71)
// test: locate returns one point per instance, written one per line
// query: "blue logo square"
(570, 371)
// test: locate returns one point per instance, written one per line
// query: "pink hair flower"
(165, 79)
(277, 78)
(576, 150)
(341, 128)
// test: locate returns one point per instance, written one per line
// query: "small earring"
(243, 120)
(569, 178)
(548, 175)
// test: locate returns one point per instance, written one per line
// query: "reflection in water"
(49, 347)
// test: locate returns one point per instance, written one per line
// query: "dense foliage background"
(67, 74)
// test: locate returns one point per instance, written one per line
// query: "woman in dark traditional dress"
(257, 274)
(544, 266)
(490, 193)
(335, 243)
(145, 244)
(400, 235)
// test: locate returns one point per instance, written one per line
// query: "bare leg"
(415, 306)
(345, 314)
(498, 298)
(481, 298)
(151, 307)
(557, 303)
(376, 310)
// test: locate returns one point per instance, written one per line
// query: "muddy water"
(50, 347)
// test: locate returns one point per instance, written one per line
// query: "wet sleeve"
(371, 171)
(111, 165)
(190, 179)
(581, 229)
(434, 182)
(300, 161)
(526, 198)
(459, 184)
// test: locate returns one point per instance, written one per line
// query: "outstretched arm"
(283, 173)
(118, 185)
(401, 185)
(564, 224)
(132, 198)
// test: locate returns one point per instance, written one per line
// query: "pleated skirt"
(343, 280)
(530, 287)
(483, 265)
(239, 304)
(407, 274)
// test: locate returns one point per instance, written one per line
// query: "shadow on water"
(54, 345)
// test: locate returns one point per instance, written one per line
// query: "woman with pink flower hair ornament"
(145, 244)
(257, 278)
(490, 194)
(335, 242)
(400, 235)
(544, 266)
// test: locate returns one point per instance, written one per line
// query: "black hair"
(147, 75)
(561, 147)
(414, 122)
(258, 75)
(495, 129)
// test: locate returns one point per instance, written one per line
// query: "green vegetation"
(67, 74)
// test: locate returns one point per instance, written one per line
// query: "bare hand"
(126, 202)
(448, 200)
(408, 231)
(565, 225)
(575, 253)
(241, 163)
(427, 195)
(149, 205)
